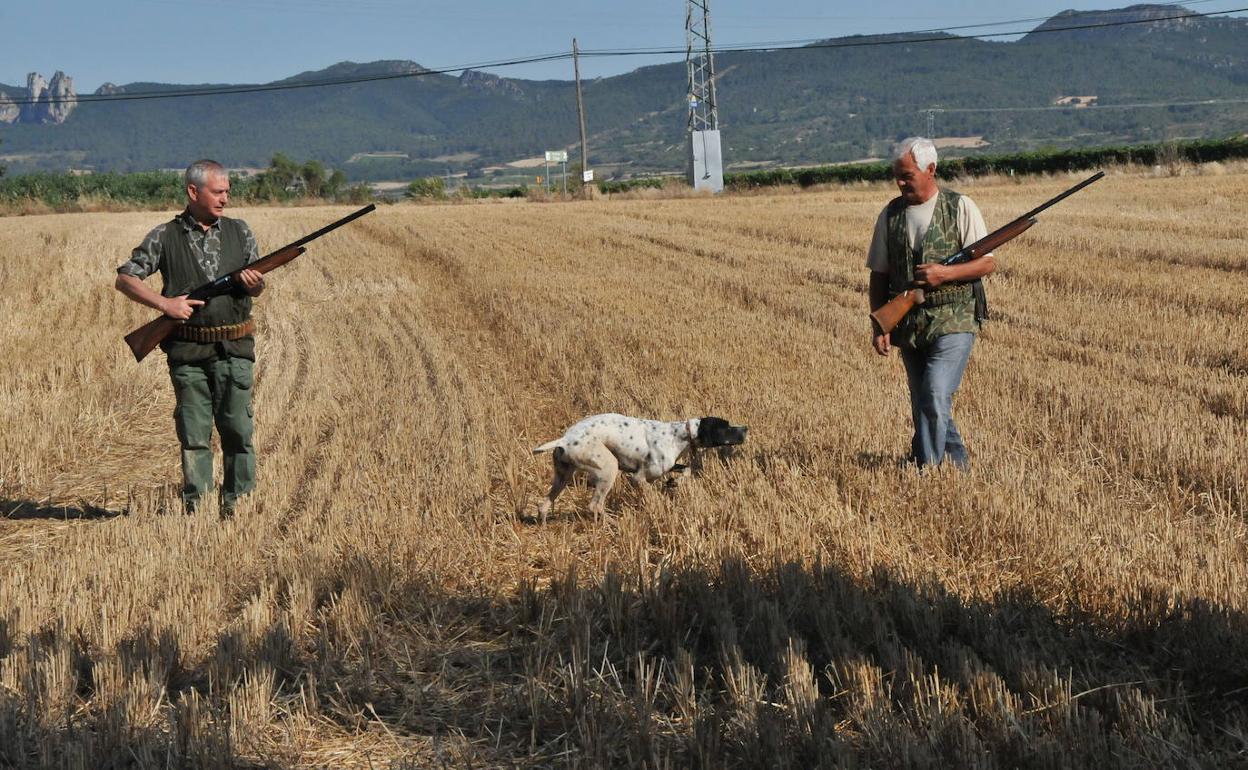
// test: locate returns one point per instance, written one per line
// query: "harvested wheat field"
(385, 599)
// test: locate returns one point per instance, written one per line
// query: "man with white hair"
(914, 233)
(211, 355)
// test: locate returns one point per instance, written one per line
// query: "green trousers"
(216, 391)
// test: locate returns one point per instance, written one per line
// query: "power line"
(288, 86)
(899, 38)
(807, 42)
(395, 9)
(866, 41)
(1183, 3)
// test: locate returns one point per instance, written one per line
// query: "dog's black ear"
(710, 429)
(716, 431)
(712, 424)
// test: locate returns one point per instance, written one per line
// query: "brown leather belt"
(215, 333)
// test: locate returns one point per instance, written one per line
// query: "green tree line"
(1203, 151)
(284, 180)
(1040, 162)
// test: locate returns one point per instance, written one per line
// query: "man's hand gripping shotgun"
(888, 315)
(144, 339)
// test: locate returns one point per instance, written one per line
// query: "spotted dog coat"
(606, 444)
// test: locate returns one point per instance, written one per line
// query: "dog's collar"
(693, 439)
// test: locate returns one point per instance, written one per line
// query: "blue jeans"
(934, 373)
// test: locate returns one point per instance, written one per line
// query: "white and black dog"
(606, 444)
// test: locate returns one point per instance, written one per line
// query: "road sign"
(556, 156)
(588, 176)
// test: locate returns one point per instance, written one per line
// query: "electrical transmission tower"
(705, 168)
(703, 112)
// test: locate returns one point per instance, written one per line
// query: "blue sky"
(256, 41)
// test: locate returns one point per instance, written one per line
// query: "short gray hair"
(919, 147)
(198, 172)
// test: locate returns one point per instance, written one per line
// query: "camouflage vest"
(182, 274)
(947, 310)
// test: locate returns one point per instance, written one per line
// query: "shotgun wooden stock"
(888, 315)
(891, 313)
(144, 339)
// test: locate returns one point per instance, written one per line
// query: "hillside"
(839, 100)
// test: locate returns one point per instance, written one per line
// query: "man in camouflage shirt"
(212, 353)
(914, 233)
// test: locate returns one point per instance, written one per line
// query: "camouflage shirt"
(205, 245)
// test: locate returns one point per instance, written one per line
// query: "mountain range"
(837, 100)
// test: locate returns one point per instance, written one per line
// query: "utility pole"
(580, 113)
(705, 167)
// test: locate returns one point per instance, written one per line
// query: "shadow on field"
(797, 666)
(734, 665)
(873, 461)
(29, 509)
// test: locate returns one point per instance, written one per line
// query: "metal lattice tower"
(703, 109)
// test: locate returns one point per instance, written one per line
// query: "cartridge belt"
(215, 333)
(945, 296)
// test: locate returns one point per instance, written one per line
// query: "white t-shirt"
(918, 218)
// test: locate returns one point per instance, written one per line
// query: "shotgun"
(888, 315)
(144, 339)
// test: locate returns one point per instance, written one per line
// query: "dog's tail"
(549, 446)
